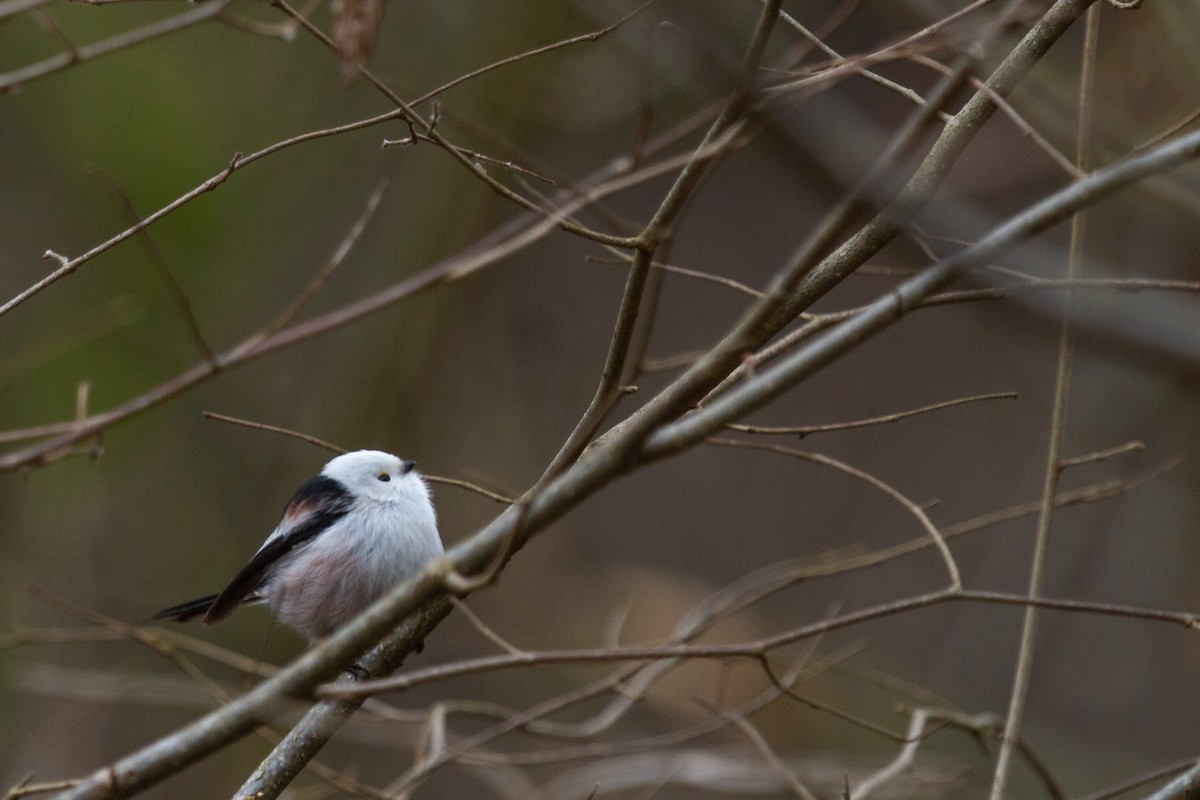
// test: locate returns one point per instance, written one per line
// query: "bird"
(346, 537)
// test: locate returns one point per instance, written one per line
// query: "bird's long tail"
(185, 611)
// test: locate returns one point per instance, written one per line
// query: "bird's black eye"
(383, 476)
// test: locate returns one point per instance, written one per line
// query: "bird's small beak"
(407, 467)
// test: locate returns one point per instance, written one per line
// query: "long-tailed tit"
(349, 534)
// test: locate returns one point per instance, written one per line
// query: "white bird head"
(375, 475)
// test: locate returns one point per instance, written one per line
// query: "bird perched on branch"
(347, 536)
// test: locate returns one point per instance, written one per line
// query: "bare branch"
(922, 518)
(21, 77)
(805, 430)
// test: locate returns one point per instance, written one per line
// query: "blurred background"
(483, 379)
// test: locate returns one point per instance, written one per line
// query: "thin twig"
(262, 426)
(20, 77)
(1181, 787)
(665, 216)
(473, 487)
(182, 304)
(913, 508)
(484, 629)
(1100, 455)
(915, 735)
(773, 381)
(568, 489)
(608, 460)
(333, 448)
(1058, 424)
(754, 650)
(805, 430)
(474, 155)
(760, 743)
(335, 261)
(415, 121)
(1153, 775)
(67, 266)
(685, 272)
(24, 788)
(866, 73)
(508, 239)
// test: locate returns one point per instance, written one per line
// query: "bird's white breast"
(329, 580)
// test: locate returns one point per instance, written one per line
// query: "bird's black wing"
(317, 505)
(185, 611)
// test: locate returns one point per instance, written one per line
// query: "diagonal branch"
(610, 458)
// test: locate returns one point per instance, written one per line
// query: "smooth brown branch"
(1088, 494)
(1100, 455)
(630, 683)
(167, 650)
(595, 188)
(262, 426)
(484, 630)
(537, 51)
(915, 736)
(635, 681)
(124, 40)
(530, 658)
(834, 267)
(625, 260)
(335, 261)
(1186, 619)
(67, 266)
(24, 788)
(1170, 131)
(800, 364)
(313, 440)
(754, 650)
(133, 633)
(1053, 466)
(23, 636)
(10, 8)
(474, 155)
(182, 305)
(509, 238)
(1181, 788)
(781, 303)
(790, 779)
(18, 78)
(864, 72)
(609, 459)
(51, 26)
(802, 669)
(804, 430)
(978, 725)
(471, 487)
(825, 708)
(415, 122)
(754, 588)
(530, 718)
(1156, 774)
(815, 323)
(724, 127)
(285, 31)
(1023, 125)
(459, 583)
(913, 508)
(90, 634)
